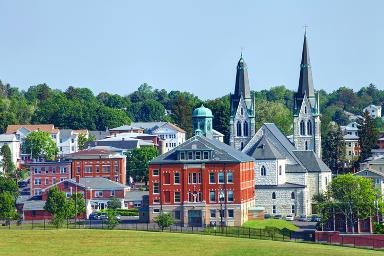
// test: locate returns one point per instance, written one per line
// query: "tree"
(368, 136)
(182, 115)
(7, 206)
(76, 204)
(114, 204)
(273, 112)
(353, 196)
(8, 185)
(221, 115)
(41, 145)
(58, 206)
(83, 140)
(334, 148)
(112, 220)
(164, 220)
(138, 160)
(7, 163)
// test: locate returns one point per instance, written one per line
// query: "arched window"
(263, 171)
(242, 145)
(305, 109)
(309, 127)
(238, 128)
(245, 129)
(302, 127)
(241, 111)
(280, 169)
(306, 145)
(293, 195)
(273, 195)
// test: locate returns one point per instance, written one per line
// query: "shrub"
(379, 228)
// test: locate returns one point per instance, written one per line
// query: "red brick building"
(47, 173)
(99, 163)
(202, 181)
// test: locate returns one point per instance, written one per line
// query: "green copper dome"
(202, 112)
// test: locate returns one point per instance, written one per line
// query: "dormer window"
(182, 156)
(190, 155)
(280, 169)
(205, 155)
(197, 155)
(263, 171)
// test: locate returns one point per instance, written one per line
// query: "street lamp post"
(221, 199)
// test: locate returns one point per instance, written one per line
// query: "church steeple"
(242, 82)
(305, 82)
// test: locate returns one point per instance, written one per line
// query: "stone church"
(287, 174)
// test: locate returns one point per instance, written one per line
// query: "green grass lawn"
(118, 242)
(280, 224)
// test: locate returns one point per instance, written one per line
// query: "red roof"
(12, 128)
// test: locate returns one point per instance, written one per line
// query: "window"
(155, 172)
(37, 192)
(302, 128)
(177, 196)
(156, 210)
(230, 196)
(106, 168)
(182, 156)
(280, 169)
(212, 178)
(273, 209)
(238, 128)
(46, 171)
(177, 215)
(309, 127)
(167, 178)
(190, 155)
(88, 169)
(46, 181)
(326, 180)
(63, 170)
(231, 213)
(62, 179)
(293, 209)
(156, 188)
(97, 168)
(293, 195)
(273, 195)
(98, 193)
(245, 128)
(177, 178)
(37, 170)
(212, 196)
(241, 111)
(53, 169)
(263, 171)
(212, 213)
(306, 145)
(221, 177)
(53, 180)
(167, 196)
(197, 155)
(37, 181)
(112, 193)
(229, 177)
(156, 201)
(305, 109)
(78, 169)
(206, 155)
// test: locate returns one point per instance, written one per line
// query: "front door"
(194, 218)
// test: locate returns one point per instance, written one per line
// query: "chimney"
(77, 178)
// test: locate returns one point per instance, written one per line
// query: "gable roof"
(370, 170)
(311, 162)
(12, 128)
(92, 183)
(92, 152)
(221, 152)
(152, 126)
(264, 149)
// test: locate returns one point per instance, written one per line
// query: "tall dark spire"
(242, 82)
(305, 82)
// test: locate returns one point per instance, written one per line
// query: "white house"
(351, 139)
(14, 145)
(69, 140)
(373, 110)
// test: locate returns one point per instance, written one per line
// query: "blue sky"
(194, 46)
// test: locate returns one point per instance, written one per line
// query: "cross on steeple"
(305, 29)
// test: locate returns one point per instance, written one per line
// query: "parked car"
(118, 216)
(278, 216)
(302, 218)
(315, 218)
(267, 216)
(103, 216)
(289, 217)
(94, 216)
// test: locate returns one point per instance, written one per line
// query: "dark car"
(103, 216)
(278, 216)
(302, 218)
(315, 218)
(267, 216)
(94, 216)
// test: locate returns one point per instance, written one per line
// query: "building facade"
(306, 119)
(373, 110)
(99, 163)
(69, 140)
(15, 147)
(242, 109)
(202, 181)
(351, 139)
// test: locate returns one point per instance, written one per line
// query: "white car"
(289, 217)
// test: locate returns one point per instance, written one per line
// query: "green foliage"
(7, 163)
(112, 221)
(274, 112)
(7, 206)
(138, 160)
(221, 115)
(82, 140)
(41, 145)
(334, 149)
(114, 204)
(8, 185)
(379, 228)
(182, 115)
(164, 220)
(76, 205)
(125, 212)
(58, 205)
(368, 136)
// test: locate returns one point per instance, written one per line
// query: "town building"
(44, 174)
(377, 178)
(306, 118)
(286, 178)
(69, 140)
(202, 124)
(375, 163)
(95, 162)
(351, 139)
(242, 109)
(200, 181)
(126, 129)
(373, 110)
(14, 145)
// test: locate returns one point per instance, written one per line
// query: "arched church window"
(238, 128)
(245, 130)
(263, 171)
(305, 109)
(273, 195)
(306, 145)
(302, 127)
(293, 195)
(242, 145)
(309, 127)
(241, 111)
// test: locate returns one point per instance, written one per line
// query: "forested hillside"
(80, 108)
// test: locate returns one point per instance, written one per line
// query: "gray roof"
(359, 173)
(99, 135)
(148, 126)
(221, 152)
(22, 198)
(280, 186)
(135, 195)
(242, 82)
(34, 205)
(264, 149)
(126, 144)
(65, 134)
(100, 183)
(7, 137)
(126, 127)
(305, 81)
(311, 162)
(294, 168)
